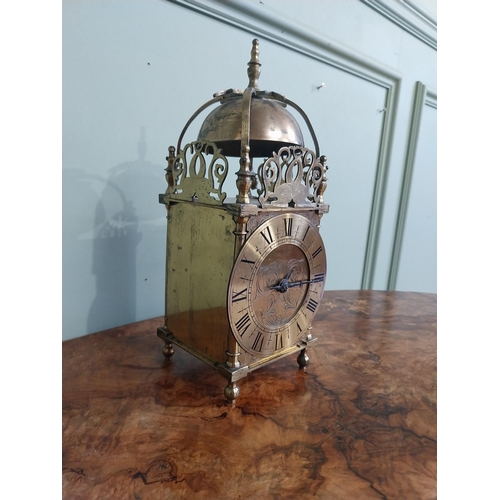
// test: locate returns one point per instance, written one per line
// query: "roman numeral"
(242, 324)
(288, 226)
(312, 305)
(246, 261)
(268, 237)
(298, 326)
(319, 250)
(239, 295)
(278, 342)
(305, 234)
(257, 344)
(318, 278)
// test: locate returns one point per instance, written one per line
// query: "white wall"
(135, 70)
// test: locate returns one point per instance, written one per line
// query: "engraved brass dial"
(276, 284)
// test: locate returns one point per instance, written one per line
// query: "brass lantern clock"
(244, 275)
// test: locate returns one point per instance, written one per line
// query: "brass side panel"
(200, 248)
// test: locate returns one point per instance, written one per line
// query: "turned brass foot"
(232, 391)
(303, 359)
(168, 350)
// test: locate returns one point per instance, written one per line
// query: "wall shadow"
(123, 219)
(114, 257)
(109, 216)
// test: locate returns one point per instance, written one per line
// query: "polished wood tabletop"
(359, 423)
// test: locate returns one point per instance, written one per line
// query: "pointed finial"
(254, 65)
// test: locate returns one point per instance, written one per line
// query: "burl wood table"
(360, 423)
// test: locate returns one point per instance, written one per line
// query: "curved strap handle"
(308, 123)
(196, 113)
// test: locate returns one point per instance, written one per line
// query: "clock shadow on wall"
(114, 219)
(114, 256)
(124, 219)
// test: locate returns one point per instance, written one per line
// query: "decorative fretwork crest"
(292, 177)
(197, 173)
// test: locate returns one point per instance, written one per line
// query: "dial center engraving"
(273, 297)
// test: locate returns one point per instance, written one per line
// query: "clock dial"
(276, 284)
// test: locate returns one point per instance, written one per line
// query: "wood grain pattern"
(360, 423)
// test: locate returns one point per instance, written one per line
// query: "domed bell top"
(272, 127)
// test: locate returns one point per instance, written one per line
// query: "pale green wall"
(135, 70)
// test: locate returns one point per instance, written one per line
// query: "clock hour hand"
(283, 285)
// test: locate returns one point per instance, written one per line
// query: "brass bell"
(272, 127)
(256, 118)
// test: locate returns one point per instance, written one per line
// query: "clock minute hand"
(304, 282)
(284, 284)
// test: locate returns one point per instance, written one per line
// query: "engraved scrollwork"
(198, 173)
(273, 309)
(293, 177)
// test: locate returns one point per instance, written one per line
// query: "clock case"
(206, 229)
